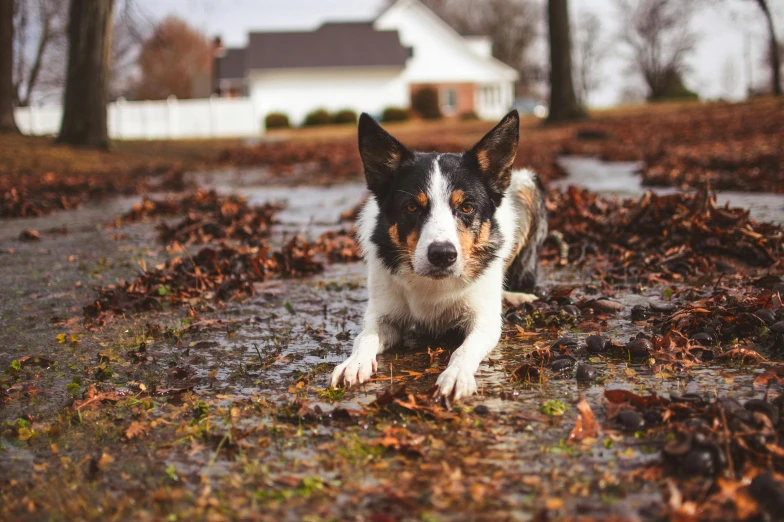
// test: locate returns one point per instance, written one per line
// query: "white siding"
(296, 92)
(443, 56)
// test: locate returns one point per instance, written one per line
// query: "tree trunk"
(775, 59)
(563, 102)
(7, 122)
(87, 78)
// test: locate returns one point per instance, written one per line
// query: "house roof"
(341, 44)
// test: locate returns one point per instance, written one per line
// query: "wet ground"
(226, 413)
(622, 179)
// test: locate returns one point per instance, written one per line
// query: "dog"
(446, 237)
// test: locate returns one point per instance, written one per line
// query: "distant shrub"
(276, 120)
(317, 117)
(394, 114)
(344, 116)
(425, 103)
(468, 116)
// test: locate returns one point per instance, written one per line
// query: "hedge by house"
(425, 103)
(344, 116)
(394, 114)
(317, 117)
(276, 120)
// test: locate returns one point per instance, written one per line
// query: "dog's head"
(437, 211)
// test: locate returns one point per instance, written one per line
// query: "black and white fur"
(443, 236)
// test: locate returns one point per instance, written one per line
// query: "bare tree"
(131, 27)
(563, 101)
(590, 51)
(7, 122)
(89, 49)
(773, 49)
(660, 36)
(39, 46)
(512, 25)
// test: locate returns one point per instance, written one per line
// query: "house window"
(488, 93)
(449, 100)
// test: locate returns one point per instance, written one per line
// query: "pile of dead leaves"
(339, 246)
(209, 217)
(660, 237)
(215, 273)
(238, 255)
(731, 452)
(25, 194)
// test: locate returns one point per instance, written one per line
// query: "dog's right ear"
(381, 154)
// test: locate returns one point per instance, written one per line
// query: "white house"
(368, 66)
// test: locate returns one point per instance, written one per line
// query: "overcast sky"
(717, 68)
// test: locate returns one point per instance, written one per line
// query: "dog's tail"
(529, 199)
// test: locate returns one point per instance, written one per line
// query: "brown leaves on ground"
(735, 146)
(28, 194)
(659, 237)
(586, 426)
(339, 246)
(209, 217)
(224, 273)
(401, 399)
(401, 439)
(336, 161)
(239, 255)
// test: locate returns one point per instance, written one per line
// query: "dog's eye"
(411, 207)
(466, 208)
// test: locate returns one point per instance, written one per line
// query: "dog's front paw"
(354, 370)
(456, 382)
(519, 298)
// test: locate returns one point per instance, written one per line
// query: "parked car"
(531, 106)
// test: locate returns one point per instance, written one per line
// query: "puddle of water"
(308, 211)
(622, 179)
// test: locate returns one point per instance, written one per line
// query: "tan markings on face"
(393, 235)
(422, 199)
(406, 249)
(411, 242)
(457, 198)
(472, 242)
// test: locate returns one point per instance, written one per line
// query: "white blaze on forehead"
(440, 225)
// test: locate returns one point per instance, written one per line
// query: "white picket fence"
(156, 120)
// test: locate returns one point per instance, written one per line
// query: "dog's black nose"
(442, 254)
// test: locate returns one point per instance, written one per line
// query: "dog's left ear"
(496, 151)
(381, 154)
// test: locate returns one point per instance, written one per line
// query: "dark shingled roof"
(340, 44)
(231, 65)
